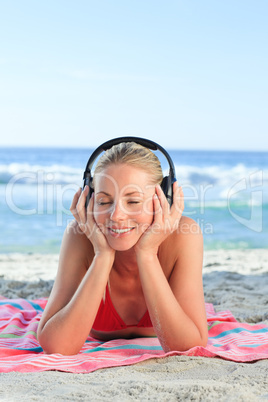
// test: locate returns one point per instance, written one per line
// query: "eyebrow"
(128, 194)
(134, 192)
(103, 192)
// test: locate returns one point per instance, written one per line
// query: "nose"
(118, 213)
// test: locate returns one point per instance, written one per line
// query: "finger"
(90, 209)
(177, 206)
(75, 198)
(100, 228)
(181, 200)
(158, 215)
(175, 186)
(176, 190)
(178, 201)
(81, 209)
(163, 200)
(75, 201)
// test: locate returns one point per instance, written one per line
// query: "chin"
(122, 248)
(119, 245)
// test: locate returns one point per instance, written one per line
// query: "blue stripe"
(34, 305)
(99, 348)
(11, 304)
(238, 330)
(36, 350)
(95, 341)
(252, 346)
(218, 345)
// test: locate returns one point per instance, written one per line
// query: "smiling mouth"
(120, 231)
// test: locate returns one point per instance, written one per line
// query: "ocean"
(225, 192)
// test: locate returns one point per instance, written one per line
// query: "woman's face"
(123, 204)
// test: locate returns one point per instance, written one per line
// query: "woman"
(130, 266)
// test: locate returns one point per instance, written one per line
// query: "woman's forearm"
(174, 328)
(66, 331)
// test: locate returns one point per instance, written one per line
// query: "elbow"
(43, 341)
(204, 340)
(50, 349)
(186, 345)
(199, 339)
(203, 337)
(45, 344)
(51, 346)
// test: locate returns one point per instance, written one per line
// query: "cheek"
(147, 214)
(99, 214)
(148, 207)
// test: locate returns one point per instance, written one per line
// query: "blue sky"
(188, 74)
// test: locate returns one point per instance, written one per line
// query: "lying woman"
(130, 265)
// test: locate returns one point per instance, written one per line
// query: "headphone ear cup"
(166, 186)
(88, 182)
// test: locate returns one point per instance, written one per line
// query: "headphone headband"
(141, 141)
(167, 180)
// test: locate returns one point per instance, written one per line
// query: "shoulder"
(182, 245)
(188, 226)
(187, 248)
(188, 238)
(188, 232)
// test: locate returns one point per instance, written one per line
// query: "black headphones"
(167, 182)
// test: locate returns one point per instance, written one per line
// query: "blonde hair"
(132, 154)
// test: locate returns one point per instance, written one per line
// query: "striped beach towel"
(20, 351)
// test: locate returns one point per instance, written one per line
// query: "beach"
(235, 280)
(36, 189)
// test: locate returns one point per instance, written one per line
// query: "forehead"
(122, 175)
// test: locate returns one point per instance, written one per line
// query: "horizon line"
(168, 148)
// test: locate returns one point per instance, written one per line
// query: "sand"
(235, 279)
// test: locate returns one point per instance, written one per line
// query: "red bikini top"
(107, 318)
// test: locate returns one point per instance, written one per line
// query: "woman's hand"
(87, 223)
(166, 220)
